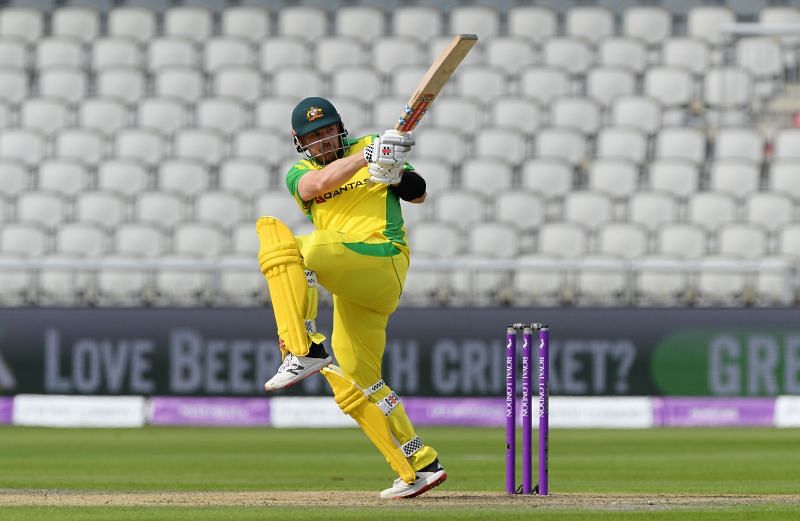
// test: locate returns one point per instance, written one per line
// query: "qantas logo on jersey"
(327, 196)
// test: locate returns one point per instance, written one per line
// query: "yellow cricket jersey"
(368, 211)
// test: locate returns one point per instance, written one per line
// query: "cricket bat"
(431, 84)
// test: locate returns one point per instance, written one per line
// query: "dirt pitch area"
(435, 499)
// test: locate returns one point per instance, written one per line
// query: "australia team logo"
(313, 113)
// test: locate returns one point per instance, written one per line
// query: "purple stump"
(511, 419)
(544, 427)
(527, 416)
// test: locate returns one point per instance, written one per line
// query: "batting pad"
(353, 401)
(294, 295)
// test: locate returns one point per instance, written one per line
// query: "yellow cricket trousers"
(366, 290)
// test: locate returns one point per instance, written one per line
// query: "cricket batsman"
(350, 189)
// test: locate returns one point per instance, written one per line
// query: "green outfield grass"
(639, 463)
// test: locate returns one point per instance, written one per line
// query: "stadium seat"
(435, 239)
(80, 23)
(278, 52)
(722, 282)
(588, 208)
(459, 208)
(390, 52)
(305, 22)
(771, 210)
(773, 285)
(605, 83)
(275, 113)
(524, 210)
(618, 51)
(219, 207)
(533, 23)
(434, 142)
(262, 145)
(591, 22)
(297, 82)
(139, 240)
(562, 239)
(204, 145)
(44, 115)
(481, 82)
(738, 178)
(690, 53)
(501, 143)
(57, 52)
(561, 143)
(81, 240)
(711, 209)
(124, 177)
(24, 239)
(125, 84)
(763, 59)
(782, 177)
(601, 281)
(26, 146)
(281, 205)
(184, 176)
(742, 240)
(13, 86)
(194, 23)
(227, 51)
(618, 178)
(16, 284)
(572, 53)
(58, 285)
(577, 112)
(652, 24)
(475, 19)
(420, 23)
(81, 144)
(68, 84)
(13, 53)
(171, 52)
(240, 83)
(23, 23)
(548, 176)
(105, 209)
(356, 81)
(671, 86)
(728, 94)
(223, 115)
(105, 115)
(487, 175)
(521, 114)
(543, 84)
(455, 112)
(681, 240)
(622, 240)
(676, 142)
(199, 240)
(119, 285)
(739, 143)
(64, 176)
(165, 115)
(132, 22)
(706, 21)
(678, 177)
(241, 282)
(483, 286)
(355, 111)
(46, 209)
(175, 283)
(244, 177)
(658, 283)
(184, 83)
(541, 281)
(787, 144)
(160, 208)
(652, 209)
(627, 143)
(249, 22)
(15, 176)
(363, 22)
(510, 54)
(334, 52)
(244, 241)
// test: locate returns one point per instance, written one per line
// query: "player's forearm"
(332, 176)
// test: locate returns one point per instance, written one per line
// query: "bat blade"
(431, 84)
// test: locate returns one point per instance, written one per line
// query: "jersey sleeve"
(293, 177)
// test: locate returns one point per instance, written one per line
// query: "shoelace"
(290, 362)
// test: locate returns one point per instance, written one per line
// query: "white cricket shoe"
(431, 476)
(294, 369)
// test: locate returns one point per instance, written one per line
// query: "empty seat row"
(420, 22)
